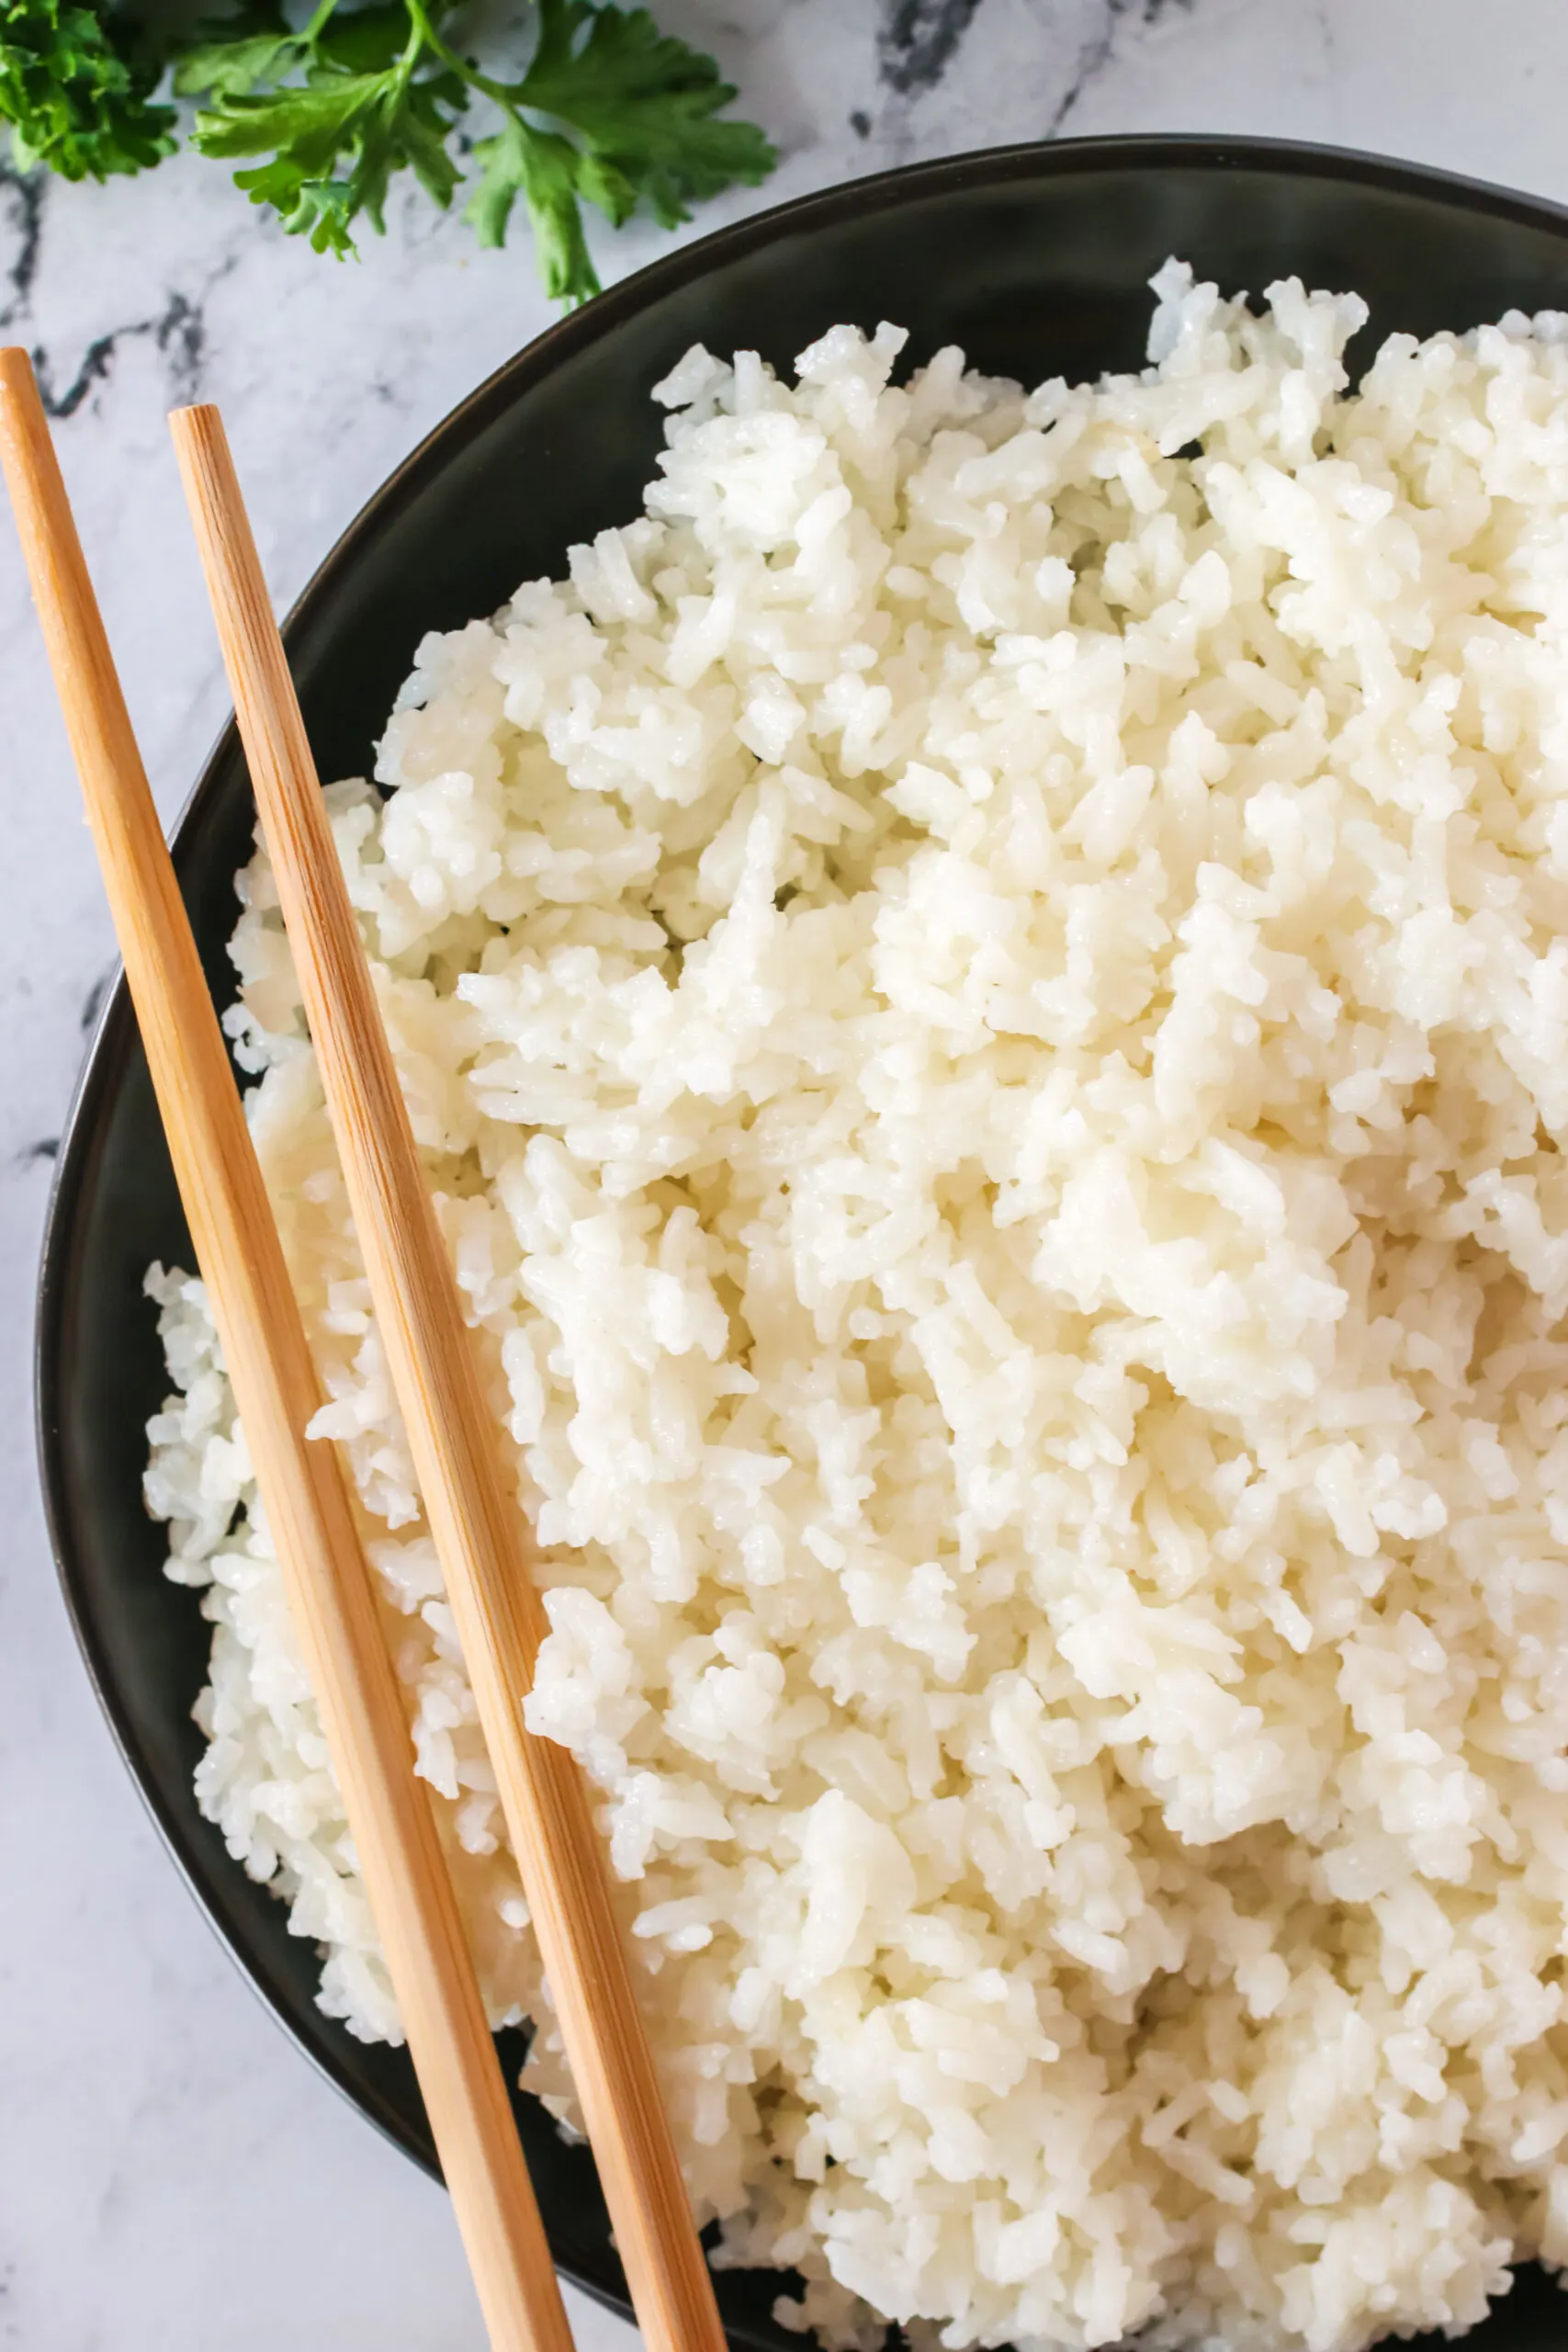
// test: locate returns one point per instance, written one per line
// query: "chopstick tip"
(199, 436)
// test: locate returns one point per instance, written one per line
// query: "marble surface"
(173, 2176)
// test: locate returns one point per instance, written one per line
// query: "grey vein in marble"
(918, 41)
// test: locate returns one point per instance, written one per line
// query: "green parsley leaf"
(228, 58)
(366, 40)
(417, 133)
(372, 103)
(636, 114)
(544, 170)
(504, 167)
(306, 133)
(75, 86)
(643, 105)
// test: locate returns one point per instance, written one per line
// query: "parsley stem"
(317, 24)
(506, 93)
(421, 32)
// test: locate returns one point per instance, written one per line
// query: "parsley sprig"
(610, 112)
(76, 86)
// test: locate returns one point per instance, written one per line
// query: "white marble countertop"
(173, 2176)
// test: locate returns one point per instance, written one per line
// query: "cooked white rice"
(985, 991)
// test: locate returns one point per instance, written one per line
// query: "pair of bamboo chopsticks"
(478, 1528)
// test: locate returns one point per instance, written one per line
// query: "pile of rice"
(985, 994)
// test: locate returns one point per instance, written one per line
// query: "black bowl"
(1036, 260)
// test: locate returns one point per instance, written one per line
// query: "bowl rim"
(111, 1040)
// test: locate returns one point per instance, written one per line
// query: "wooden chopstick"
(478, 1528)
(331, 1596)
